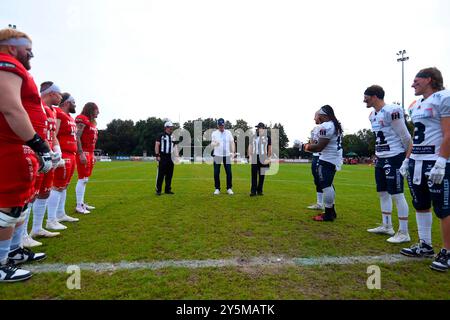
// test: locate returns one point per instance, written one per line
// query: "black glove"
(42, 152)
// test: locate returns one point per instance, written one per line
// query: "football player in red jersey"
(87, 134)
(66, 130)
(22, 150)
(51, 96)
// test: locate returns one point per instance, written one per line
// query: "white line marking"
(221, 263)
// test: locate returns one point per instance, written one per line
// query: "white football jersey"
(426, 115)
(388, 143)
(333, 151)
(315, 139)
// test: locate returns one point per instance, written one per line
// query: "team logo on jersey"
(7, 65)
(395, 115)
(387, 169)
(428, 112)
(323, 132)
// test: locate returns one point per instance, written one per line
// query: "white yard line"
(221, 263)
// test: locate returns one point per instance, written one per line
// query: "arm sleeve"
(401, 130)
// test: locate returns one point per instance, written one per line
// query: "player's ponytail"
(328, 110)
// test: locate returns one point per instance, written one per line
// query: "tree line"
(126, 138)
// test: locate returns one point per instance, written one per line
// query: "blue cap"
(221, 122)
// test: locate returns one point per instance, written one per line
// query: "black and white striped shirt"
(260, 145)
(166, 144)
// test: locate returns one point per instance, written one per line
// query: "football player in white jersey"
(314, 165)
(427, 164)
(392, 142)
(330, 160)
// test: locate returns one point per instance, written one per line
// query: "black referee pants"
(165, 171)
(258, 176)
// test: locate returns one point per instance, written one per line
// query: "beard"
(72, 109)
(25, 60)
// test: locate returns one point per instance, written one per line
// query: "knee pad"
(385, 201)
(10, 219)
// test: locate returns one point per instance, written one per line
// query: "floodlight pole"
(402, 59)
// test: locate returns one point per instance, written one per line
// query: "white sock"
(402, 210)
(80, 189)
(16, 240)
(27, 218)
(5, 246)
(386, 208)
(52, 204)
(320, 198)
(424, 223)
(61, 211)
(39, 206)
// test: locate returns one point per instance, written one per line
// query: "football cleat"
(230, 192)
(55, 225)
(322, 218)
(316, 207)
(419, 250)
(217, 192)
(29, 242)
(81, 210)
(383, 229)
(66, 218)
(88, 207)
(9, 273)
(23, 255)
(442, 261)
(42, 233)
(399, 237)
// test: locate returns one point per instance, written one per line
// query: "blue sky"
(269, 61)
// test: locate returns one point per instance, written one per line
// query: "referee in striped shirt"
(164, 147)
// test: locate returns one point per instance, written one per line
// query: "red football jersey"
(31, 101)
(67, 134)
(89, 135)
(51, 124)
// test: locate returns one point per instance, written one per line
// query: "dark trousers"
(165, 170)
(258, 176)
(227, 164)
(315, 173)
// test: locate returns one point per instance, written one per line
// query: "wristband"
(38, 145)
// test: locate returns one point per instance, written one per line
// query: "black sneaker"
(260, 194)
(252, 194)
(419, 250)
(23, 255)
(442, 261)
(158, 193)
(169, 192)
(10, 273)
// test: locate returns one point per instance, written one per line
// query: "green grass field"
(131, 224)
